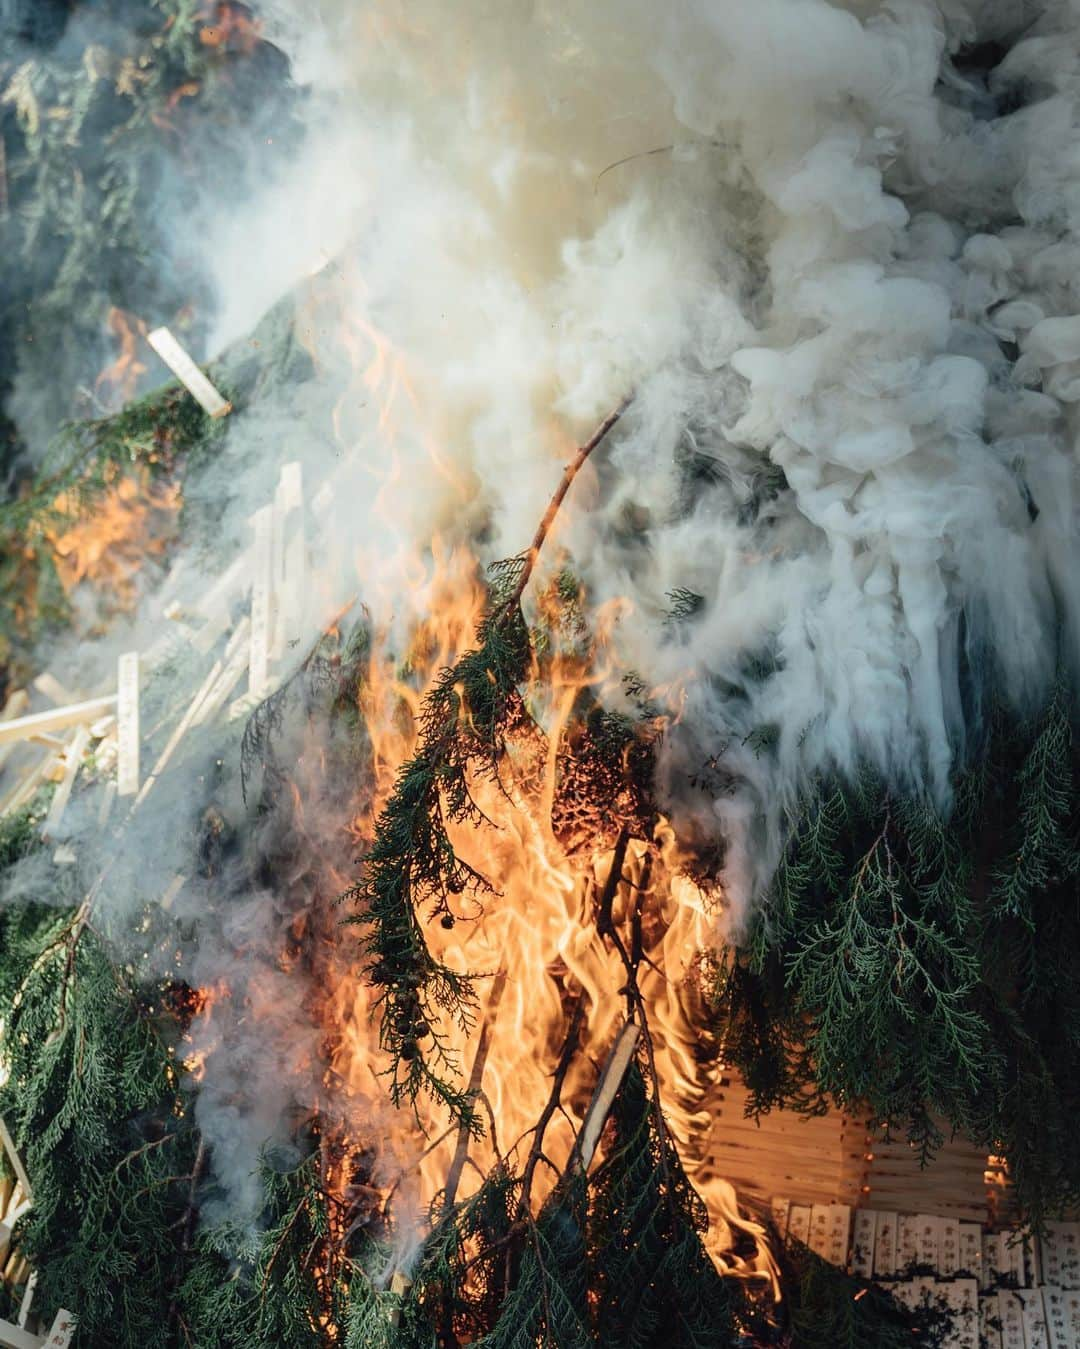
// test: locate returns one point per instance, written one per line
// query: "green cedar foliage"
(923, 966)
(112, 137)
(411, 869)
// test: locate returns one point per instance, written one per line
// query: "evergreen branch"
(569, 474)
(465, 721)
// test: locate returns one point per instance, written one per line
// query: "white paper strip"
(1011, 1315)
(799, 1223)
(127, 684)
(962, 1297)
(61, 1332)
(862, 1244)
(989, 1318)
(188, 373)
(969, 1251)
(1035, 1336)
(885, 1246)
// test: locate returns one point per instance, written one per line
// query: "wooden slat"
(55, 719)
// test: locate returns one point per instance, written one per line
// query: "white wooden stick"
(48, 684)
(27, 1299)
(56, 719)
(73, 762)
(235, 577)
(127, 768)
(171, 891)
(235, 661)
(607, 1088)
(289, 556)
(188, 373)
(15, 1337)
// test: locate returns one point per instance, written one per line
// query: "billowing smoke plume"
(830, 251)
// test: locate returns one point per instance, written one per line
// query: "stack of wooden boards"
(840, 1157)
(237, 632)
(1004, 1289)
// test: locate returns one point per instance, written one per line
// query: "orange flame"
(534, 938)
(133, 519)
(230, 27)
(119, 380)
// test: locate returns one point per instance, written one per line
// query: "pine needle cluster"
(922, 966)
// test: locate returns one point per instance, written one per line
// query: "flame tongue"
(578, 916)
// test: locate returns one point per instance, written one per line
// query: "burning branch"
(465, 721)
(571, 471)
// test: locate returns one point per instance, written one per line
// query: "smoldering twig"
(570, 472)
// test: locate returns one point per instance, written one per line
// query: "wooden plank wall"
(842, 1158)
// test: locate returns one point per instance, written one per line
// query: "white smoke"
(832, 252)
(806, 240)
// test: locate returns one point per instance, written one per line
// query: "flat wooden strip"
(16, 1161)
(47, 683)
(607, 1088)
(27, 1299)
(61, 1331)
(62, 795)
(15, 1337)
(56, 719)
(188, 373)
